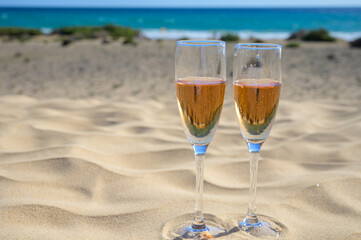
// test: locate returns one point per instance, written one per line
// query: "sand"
(100, 153)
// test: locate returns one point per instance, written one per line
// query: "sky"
(182, 3)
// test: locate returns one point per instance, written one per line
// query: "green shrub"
(356, 43)
(79, 32)
(183, 38)
(293, 45)
(87, 32)
(298, 35)
(66, 41)
(229, 37)
(19, 33)
(129, 40)
(256, 40)
(71, 34)
(318, 35)
(117, 31)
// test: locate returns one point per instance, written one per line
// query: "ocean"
(265, 23)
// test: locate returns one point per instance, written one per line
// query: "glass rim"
(200, 43)
(258, 46)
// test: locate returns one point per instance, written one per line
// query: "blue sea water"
(203, 23)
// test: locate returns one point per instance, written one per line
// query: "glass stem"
(252, 208)
(253, 184)
(198, 222)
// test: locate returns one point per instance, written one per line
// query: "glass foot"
(181, 228)
(187, 232)
(260, 228)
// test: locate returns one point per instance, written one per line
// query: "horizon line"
(182, 7)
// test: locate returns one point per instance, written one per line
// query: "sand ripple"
(95, 169)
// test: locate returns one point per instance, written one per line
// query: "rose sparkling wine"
(200, 82)
(256, 105)
(200, 102)
(256, 90)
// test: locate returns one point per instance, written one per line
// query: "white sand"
(121, 168)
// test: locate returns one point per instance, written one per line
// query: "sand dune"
(98, 169)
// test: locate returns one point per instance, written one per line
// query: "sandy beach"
(92, 146)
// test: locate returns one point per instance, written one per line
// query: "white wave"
(348, 36)
(175, 34)
(46, 31)
(204, 34)
(263, 35)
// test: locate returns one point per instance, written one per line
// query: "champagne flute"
(256, 91)
(200, 75)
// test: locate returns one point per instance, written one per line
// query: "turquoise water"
(173, 23)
